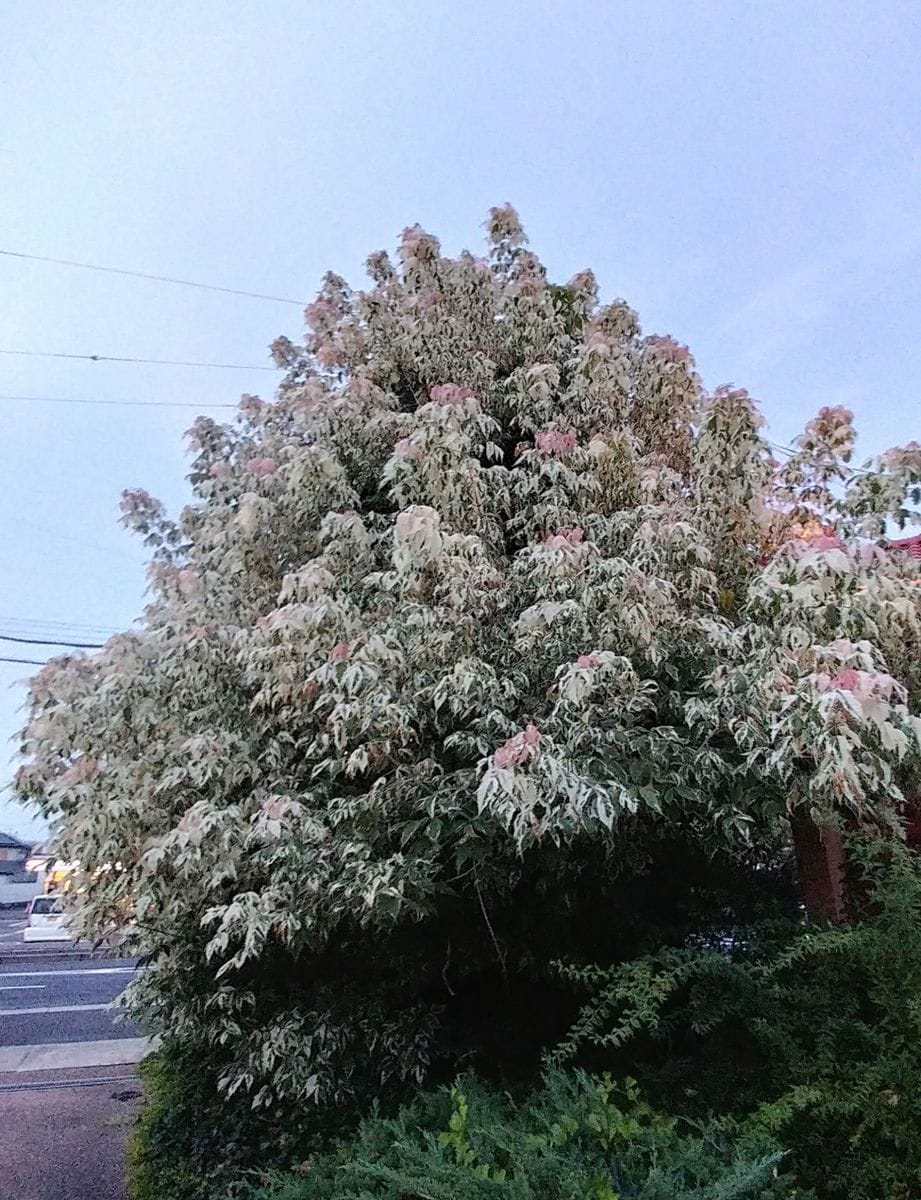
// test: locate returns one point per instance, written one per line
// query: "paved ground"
(62, 1128)
(12, 923)
(66, 1143)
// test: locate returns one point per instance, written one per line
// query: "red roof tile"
(910, 545)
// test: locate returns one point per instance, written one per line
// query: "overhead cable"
(207, 287)
(125, 403)
(6, 637)
(159, 362)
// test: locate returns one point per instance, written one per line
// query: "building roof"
(7, 840)
(911, 545)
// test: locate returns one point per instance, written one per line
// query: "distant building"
(13, 854)
(17, 883)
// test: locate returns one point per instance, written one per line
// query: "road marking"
(69, 974)
(23, 987)
(34, 1012)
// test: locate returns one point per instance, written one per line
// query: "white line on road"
(69, 974)
(34, 1012)
(23, 987)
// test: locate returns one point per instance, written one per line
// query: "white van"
(46, 920)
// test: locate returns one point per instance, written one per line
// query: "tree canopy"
(474, 648)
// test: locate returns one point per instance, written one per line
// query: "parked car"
(47, 921)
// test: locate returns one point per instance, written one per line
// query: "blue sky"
(747, 176)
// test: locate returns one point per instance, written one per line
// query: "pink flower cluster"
(283, 351)
(832, 423)
(321, 315)
(519, 749)
(137, 500)
(252, 406)
(797, 547)
(327, 355)
(83, 771)
(418, 246)
(276, 808)
(552, 441)
(450, 393)
(426, 301)
(340, 652)
(563, 539)
(262, 466)
(585, 661)
(503, 223)
(585, 282)
(219, 470)
(865, 685)
(670, 349)
(601, 343)
(406, 448)
(188, 581)
(908, 456)
(826, 542)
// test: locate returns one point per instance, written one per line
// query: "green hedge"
(578, 1137)
(190, 1143)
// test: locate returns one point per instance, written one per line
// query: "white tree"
(489, 600)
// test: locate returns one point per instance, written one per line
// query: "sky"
(746, 175)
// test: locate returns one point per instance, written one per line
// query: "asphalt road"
(50, 997)
(62, 1127)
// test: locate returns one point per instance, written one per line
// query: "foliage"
(822, 1026)
(577, 1138)
(191, 1143)
(492, 625)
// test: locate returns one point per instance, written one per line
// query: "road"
(61, 1001)
(68, 1089)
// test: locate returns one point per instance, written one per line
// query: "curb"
(18, 956)
(68, 1056)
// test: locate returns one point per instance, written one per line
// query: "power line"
(126, 403)
(159, 362)
(207, 287)
(34, 662)
(28, 641)
(792, 452)
(70, 537)
(65, 625)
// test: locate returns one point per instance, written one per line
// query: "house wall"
(19, 888)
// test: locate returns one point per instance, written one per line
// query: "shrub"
(576, 1138)
(817, 1032)
(192, 1143)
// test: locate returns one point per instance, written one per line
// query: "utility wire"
(126, 403)
(35, 662)
(207, 287)
(160, 362)
(67, 626)
(78, 541)
(31, 641)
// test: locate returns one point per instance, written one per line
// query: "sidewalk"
(67, 1056)
(64, 1134)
